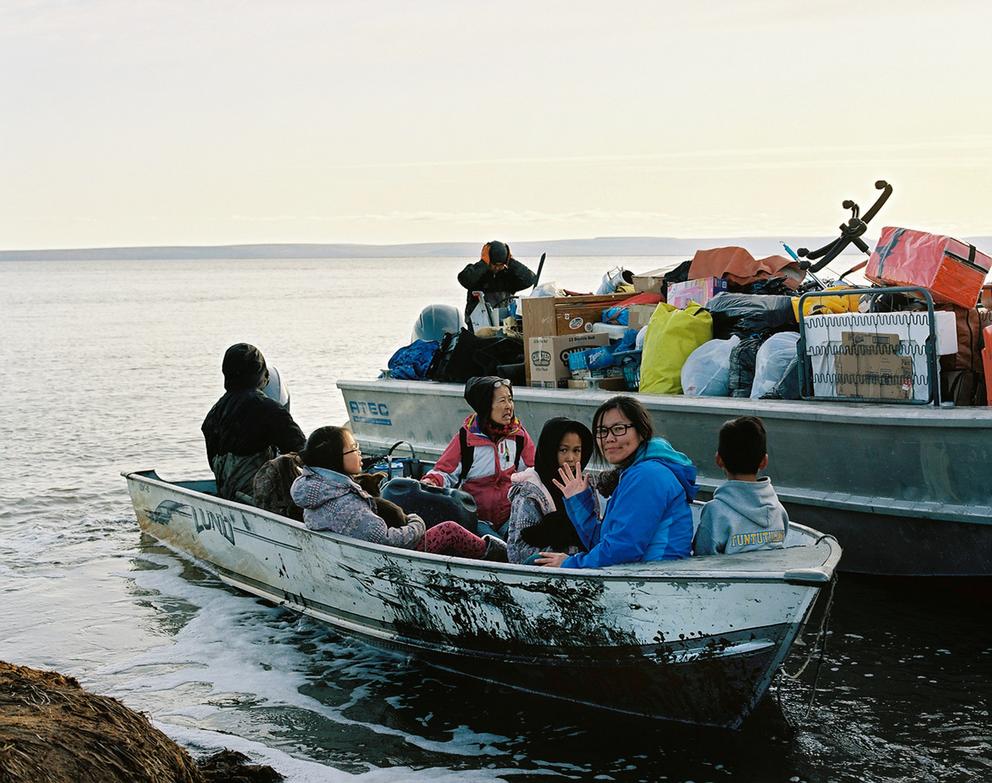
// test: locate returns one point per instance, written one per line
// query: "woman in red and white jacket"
(490, 447)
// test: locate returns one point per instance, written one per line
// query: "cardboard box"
(699, 291)
(638, 316)
(606, 384)
(650, 282)
(547, 357)
(546, 316)
(824, 342)
(871, 368)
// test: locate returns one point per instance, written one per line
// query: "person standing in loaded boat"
(745, 513)
(647, 516)
(497, 274)
(245, 428)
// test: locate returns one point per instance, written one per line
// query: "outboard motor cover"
(275, 389)
(435, 321)
(432, 504)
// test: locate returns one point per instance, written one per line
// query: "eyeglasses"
(617, 430)
(502, 382)
(352, 451)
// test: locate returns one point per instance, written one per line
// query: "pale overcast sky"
(138, 122)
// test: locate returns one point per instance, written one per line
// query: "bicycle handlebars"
(850, 232)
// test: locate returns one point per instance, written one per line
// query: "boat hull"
(693, 642)
(905, 489)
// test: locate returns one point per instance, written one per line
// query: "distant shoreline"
(601, 246)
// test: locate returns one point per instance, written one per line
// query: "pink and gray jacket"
(493, 462)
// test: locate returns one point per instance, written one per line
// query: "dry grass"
(53, 731)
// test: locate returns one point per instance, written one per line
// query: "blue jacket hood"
(662, 451)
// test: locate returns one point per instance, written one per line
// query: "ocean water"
(111, 366)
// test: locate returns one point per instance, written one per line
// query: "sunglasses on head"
(502, 382)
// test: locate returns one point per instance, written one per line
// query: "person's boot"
(495, 549)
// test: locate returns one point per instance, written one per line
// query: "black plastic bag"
(742, 359)
(749, 314)
(465, 355)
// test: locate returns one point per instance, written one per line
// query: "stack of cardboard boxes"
(554, 327)
(870, 367)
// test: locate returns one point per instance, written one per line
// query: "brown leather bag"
(962, 376)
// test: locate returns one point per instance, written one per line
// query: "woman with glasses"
(332, 500)
(650, 487)
(490, 446)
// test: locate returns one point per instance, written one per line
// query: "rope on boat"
(818, 648)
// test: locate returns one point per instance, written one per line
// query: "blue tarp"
(410, 362)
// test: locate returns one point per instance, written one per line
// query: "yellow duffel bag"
(826, 305)
(672, 335)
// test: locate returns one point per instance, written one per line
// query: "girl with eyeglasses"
(490, 446)
(332, 500)
(650, 487)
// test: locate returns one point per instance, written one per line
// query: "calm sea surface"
(111, 366)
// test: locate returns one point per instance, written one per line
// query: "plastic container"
(953, 271)
(395, 467)
(432, 504)
(987, 361)
(630, 363)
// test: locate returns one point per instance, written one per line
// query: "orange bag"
(987, 360)
(952, 271)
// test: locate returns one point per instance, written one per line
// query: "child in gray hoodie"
(745, 513)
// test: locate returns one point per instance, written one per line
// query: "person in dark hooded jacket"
(244, 429)
(497, 274)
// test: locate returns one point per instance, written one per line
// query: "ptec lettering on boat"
(369, 412)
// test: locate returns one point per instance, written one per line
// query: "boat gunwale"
(811, 575)
(836, 412)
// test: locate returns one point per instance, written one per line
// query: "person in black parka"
(497, 274)
(244, 429)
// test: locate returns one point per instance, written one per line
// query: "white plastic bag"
(546, 289)
(773, 361)
(639, 341)
(706, 373)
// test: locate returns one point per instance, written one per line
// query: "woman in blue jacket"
(649, 489)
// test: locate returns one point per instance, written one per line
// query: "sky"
(141, 122)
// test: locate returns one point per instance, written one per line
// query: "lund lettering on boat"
(210, 520)
(369, 412)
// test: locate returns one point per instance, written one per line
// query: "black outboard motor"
(432, 504)
(435, 321)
